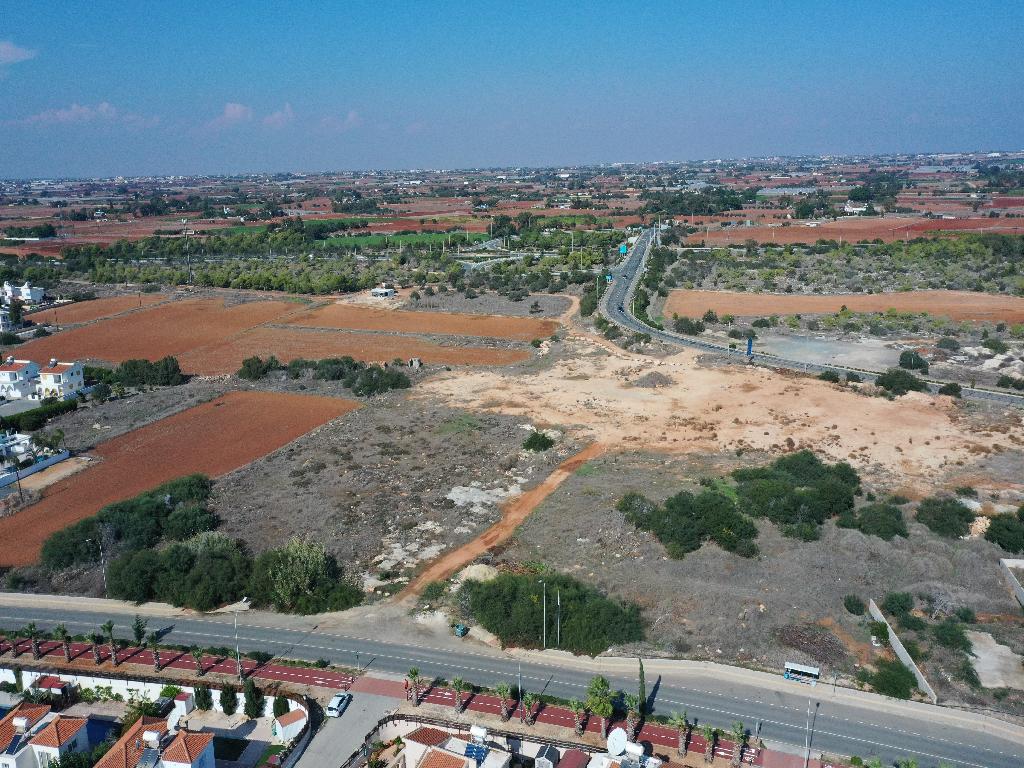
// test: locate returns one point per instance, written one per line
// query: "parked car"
(337, 705)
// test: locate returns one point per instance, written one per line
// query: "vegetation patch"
(879, 519)
(946, 516)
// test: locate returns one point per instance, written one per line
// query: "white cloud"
(13, 54)
(281, 118)
(80, 114)
(339, 125)
(233, 114)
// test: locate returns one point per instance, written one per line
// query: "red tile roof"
(438, 758)
(128, 749)
(574, 758)
(292, 717)
(187, 747)
(58, 368)
(430, 737)
(49, 682)
(32, 712)
(17, 365)
(59, 731)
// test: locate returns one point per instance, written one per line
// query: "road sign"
(607, 278)
(623, 249)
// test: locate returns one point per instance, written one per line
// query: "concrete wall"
(901, 652)
(11, 477)
(1015, 585)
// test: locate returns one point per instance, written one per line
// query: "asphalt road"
(839, 726)
(616, 307)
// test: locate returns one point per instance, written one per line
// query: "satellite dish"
(617, 741)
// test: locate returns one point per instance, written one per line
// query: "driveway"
(341, 736)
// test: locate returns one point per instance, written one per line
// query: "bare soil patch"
(95, 309)
(854, 229)
(212, 438)
(290, 343)
(404, 321)
(958, 305)
(168, 329)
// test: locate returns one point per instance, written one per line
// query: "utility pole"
(519, 698)
(103, 561)
(807, 735)
(558, 618)
(545, 631)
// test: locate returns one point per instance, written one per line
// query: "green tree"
(632, 702)
(197, 657)
(228, 699)
(255, 700)
(281, 706)
(139, 625)
(682, 724)
(641, 688)
(203, 698)
(458, 689)
(60, 633)
(577, 709)
(504, 693)
(738, 735)
(96, 641)
(414, 684)
(31, 631)
(710, 735)
(153, 644)
(530, 700)
(599, 701)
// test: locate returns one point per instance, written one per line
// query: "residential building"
(433, 748)
(150, 744)
(31, 736)
(6, 326)
(18, 379)
(26, 293)
(383, 293)
(57, 738)
(60, 380)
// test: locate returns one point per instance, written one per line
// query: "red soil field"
(169, 329)
(84, 311)
(213, 438)
(958, 305)
(449, 323)
(287, 344)
(853, 229)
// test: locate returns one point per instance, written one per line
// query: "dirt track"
(958, 305)
(213, 438)
(513, 513)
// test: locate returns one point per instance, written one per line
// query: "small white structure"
(26, 293)
(6, 326)
(18, 379)
(60, 380)
(383, 293)
(854, 208)
(286, 727)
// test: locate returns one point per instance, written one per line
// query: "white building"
(33, 737)
(26, 293)
(18, 379)
(6, 326)
(852, 207)
(383, 293)
(60, 380)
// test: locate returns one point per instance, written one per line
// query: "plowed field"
(958, 305)
(169, 329)
(84, 311)
(286, 344)
(213, 438)
(448, 323)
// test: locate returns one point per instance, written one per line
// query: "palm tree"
(97, 640)
(504, 691)
(108, 633)
(60, 632)
(458, 688)
(577, 709)
(681, 724)
(152, 642)
(414, 682)
(632, 702)
(738, 734)
(710, 734)
(197, 655)
(31, 631)
(599, 701)
(530, 700)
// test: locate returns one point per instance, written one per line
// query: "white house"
(33, 737)
(852, 207)
(150, 743)
(18, 379)
(26, 293)
(383, 293)
(288, 726)
(60, 380)
(6, 326)
(59, 737)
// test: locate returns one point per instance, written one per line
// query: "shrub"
(853, 378)
(538, 441)
(1007, 531)
(854, 605)
(948, 343)
(101, 392)
(510, 606)
(945, 516)
(688, 325)
(203, 697)
(891, 678)
(996, 345)
(165, 372)
(228, 699)
(255, 702)
(434, 591)
(951, 634)
(1010, 382)
(882, 520)
(29, 421)
(898, 603)
(952, 389)
(7, 338)
(899, 382)
(281, 706)
(686, 521)
(255, 368)
(829, 375)
(912, 361)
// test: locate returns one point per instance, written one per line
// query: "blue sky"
(105, 88)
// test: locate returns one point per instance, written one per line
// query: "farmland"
(449, 323)
(96, 309)
(213, 438)
(956, 305)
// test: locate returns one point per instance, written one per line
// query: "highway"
(843, 722)
(615, 305)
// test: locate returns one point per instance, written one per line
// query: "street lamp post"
(103, 561)
(238, 655)
(545, 631)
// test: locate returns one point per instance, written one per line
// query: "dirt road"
(513, 512)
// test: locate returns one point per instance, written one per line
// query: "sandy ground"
(734, 408)
(958, 305)
(997, 665)
(51, 475)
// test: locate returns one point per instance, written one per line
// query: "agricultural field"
(95, 309)
(213, 438)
